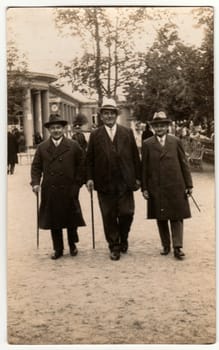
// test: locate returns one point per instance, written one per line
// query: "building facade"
(41, 98)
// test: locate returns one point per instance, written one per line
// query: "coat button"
(60, 159)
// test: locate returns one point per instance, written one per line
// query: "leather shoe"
(73, 250)
(57, 254)
(124, 247)
(165, 251)
(114, 255)
(178, 253)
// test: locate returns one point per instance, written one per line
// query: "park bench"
(196, 157)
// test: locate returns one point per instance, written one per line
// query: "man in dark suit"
(60, 162)
(12, 152)
(113, 170)
(166, 183)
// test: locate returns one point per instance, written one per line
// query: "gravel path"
(144, 298)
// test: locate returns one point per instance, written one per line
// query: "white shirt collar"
(111, 131)
(57, 142)
(161, 138)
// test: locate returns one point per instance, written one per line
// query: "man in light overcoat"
(166, 184)
(59, 163)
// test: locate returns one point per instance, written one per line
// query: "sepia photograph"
(110, 175)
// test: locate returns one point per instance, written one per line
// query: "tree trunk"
(98, 60)
(116, 60)
(109, 72)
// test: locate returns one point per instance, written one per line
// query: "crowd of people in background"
(190, 133)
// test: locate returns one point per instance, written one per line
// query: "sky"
(35, 34)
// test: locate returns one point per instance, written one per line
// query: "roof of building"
(67, 89)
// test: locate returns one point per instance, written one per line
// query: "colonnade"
(36, 111)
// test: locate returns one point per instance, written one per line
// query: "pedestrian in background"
(166, 184)
(12, 152)
(79, 137)
(59, 162)
(37, 138)
(113, 170)
(147, 132)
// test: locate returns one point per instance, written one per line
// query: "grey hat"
(109, 103)
(55, 119)
(160, 117)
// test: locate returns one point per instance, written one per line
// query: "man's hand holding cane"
(90, 185)
(188, 192)
(36, 189)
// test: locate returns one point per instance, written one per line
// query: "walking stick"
(196, 204)
(92, 218)
(37, 197)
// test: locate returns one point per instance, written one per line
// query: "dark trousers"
(117, 214)
(176, 230)
(57, 238)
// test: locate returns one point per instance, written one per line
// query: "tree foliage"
(170, 75)
(107, 45)
(16, 69)
(174, 77)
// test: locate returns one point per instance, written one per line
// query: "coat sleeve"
(144, 172)
(184, 166)
(136, 157)
(90, 159)
(36, 168)
(80, 165)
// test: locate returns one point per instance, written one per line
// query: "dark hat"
(160, 117)
(55, 119)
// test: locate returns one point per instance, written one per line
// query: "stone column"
(37, 112)
(45, 112)
(65, 111)
(61, 109)
(28, 118)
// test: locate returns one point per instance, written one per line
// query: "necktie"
(111, 134)
(162, 142)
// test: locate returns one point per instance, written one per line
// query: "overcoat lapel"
(104, 140)
(120, 139)
(166, 147)
(56, 152)
(163, 150)
(156, 145)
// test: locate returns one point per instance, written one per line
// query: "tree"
(205, 70)
(161, 77)
(16, 69)
(106, 34)
(175, 77)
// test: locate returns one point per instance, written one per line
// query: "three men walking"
(114, 170)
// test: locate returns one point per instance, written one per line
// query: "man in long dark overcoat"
(166, 183)
(113, 170)
(60, 163)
